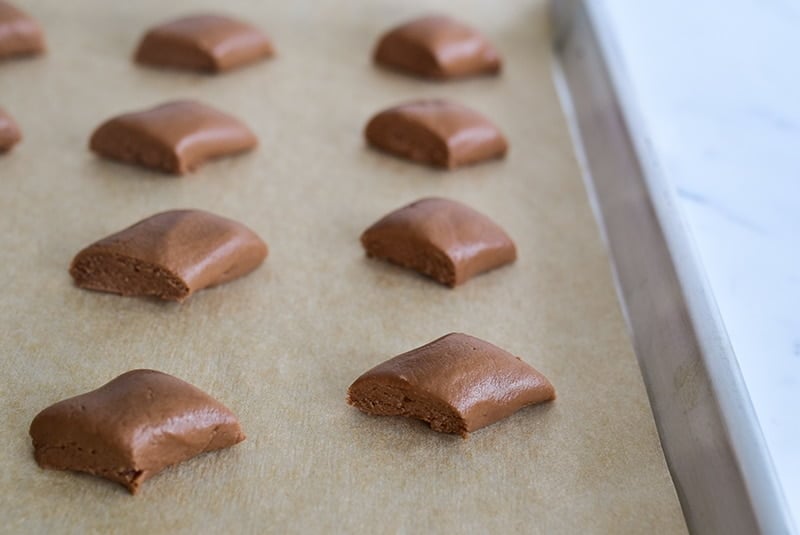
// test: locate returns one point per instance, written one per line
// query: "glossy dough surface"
(443, 239)
(436, 132)
(132, 428)
(457, 383)
(437, 47)
(175, 137)
(208, 43)
(20, 34)
(169, 255)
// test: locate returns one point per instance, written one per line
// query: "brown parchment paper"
(281, 346)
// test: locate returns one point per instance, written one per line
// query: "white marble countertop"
(717, 88)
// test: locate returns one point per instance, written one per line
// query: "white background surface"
(717, 86)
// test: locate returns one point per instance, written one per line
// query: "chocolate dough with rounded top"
(436, 132)
(20, 35)
(206, 43)
(131, 428)
(437, 47)
(443, 239)
(169, 255)
(175, 137)
(457, 384)
(9, 131)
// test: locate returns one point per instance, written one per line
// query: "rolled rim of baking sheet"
(726, 382)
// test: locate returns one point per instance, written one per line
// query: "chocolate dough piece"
(169, 255)
(457, 384)
(20, 35)
(175, 137)
(437, 47)
(131, 428)
(436, 132)
(9, 131)
(443, 239)
(206, 43)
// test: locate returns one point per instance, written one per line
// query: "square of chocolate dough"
(436, 132)
(176, 137)
(169, 255)
(205, 42)
(20, 34)
(457, 384)
(132, 428)
(443, 239)
(437, 47)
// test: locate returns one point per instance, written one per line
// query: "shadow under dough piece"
(175, 137)
(169, 255)
(443, 239)
(131, 428)
(9, 132)
(205, 43)
(437, 47)
(20, 34)
(457, 384)
(436, 132)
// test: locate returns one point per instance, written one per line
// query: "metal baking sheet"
(709, 431)
(281, 346)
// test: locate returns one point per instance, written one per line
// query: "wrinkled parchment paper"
(281, 346)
